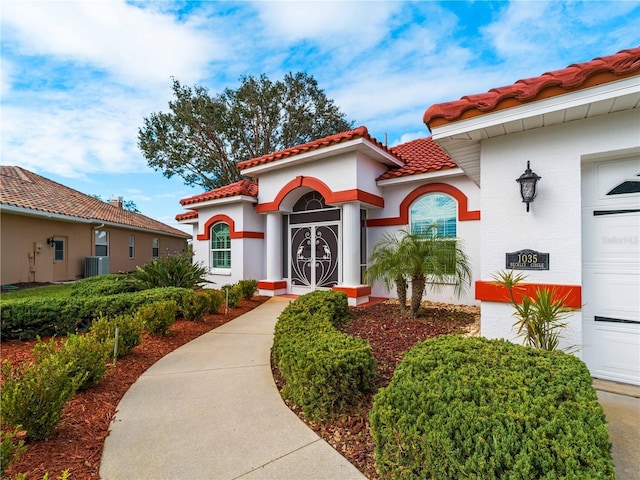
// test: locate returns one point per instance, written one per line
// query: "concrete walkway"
(621, 405)
(211, 410)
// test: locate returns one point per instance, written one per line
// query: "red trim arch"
(206, 234)
(464, 213)
(322, 188)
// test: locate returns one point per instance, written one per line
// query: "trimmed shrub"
(195, 307)
(110, 284)
(34, 395)
(84, 355)
(157, 317)
(129, 332)
(232, 294)
(216, 299)
(248, 288)
(477, 408)
(27, 318)
(326, 372)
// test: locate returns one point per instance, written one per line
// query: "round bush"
(477, 408)
(157, 317)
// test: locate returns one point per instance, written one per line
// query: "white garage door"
(611, 269)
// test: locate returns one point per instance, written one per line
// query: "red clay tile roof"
(625, 63)
(242, 187)
(360, 132)
(187, 215)
(25, 189)
(421, 156)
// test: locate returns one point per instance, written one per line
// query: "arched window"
(220, 246)
(437, 210)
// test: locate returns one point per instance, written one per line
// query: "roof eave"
(421, 177)
(220, 201)
(30, 212)
(355, 145)
(461, 139)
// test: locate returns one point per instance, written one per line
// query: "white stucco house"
(311, 214)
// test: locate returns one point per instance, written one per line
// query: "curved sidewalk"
(211, 410)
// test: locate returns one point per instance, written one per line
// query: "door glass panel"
(301, 256)
(326, 261)
(58, 250)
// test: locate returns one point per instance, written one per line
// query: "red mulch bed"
(390, 335)
(77, 444)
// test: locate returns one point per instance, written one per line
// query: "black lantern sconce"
(528, 181)
(50, 241)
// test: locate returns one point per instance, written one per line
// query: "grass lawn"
(61, 290)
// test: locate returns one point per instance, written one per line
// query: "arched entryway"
(314, 231)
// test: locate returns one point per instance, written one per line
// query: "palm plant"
(434, 261)
(386, 265)
(423, 257)
(540, 319)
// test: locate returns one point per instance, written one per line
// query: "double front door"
(314, 257)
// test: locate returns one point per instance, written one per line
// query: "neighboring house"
(48, 231)
(579, 129)
(319, 209)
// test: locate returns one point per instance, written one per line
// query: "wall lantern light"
(50, 241)
(528, 181)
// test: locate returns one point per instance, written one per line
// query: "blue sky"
(79, 77)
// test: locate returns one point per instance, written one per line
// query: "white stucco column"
(273, 250)
(351, 244)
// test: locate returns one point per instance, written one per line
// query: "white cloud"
(130, 43)
(361, 24)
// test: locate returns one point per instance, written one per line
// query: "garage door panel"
(616, 238)
(613, 295)
(611, 269)
(621, 359)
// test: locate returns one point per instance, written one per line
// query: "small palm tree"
(423, 257)
(386, 265)
(435, 261)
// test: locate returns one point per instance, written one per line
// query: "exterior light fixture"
(50, 241)
(528, 181)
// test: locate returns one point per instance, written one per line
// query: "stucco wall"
(553, 224)
(247, 254)
(20, 233)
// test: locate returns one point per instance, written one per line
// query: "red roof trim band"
(206, 234)
(464, 214)
(322, 188)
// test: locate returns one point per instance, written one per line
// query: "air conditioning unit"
(96, 266)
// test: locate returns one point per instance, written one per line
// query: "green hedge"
(27, 318)
(325, 370)
(110, 284)
(487, 409)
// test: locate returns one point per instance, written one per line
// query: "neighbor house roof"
(360, 132)
(243, 187)
(421, 156)
(30, 192)
(577, 76)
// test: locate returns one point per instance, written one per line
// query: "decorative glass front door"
(314, 256)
